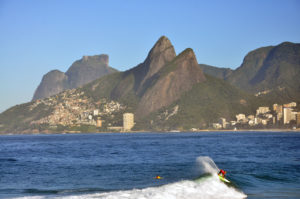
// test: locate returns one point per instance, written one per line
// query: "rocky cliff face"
(143, 75)
(88, 69)
(176, 78)
(81, 72)
(162, 53)
(52, 83)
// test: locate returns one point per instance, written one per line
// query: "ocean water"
(123, 166)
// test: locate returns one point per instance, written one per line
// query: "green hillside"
(18, 118)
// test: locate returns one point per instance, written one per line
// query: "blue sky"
(38, 36)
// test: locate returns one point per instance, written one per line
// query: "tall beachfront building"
(128, 121)
(287, 115)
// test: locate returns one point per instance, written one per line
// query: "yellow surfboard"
(223, 179)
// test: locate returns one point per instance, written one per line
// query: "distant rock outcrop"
(52, 83)
(81, 72)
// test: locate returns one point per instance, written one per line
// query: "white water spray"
(206, 165)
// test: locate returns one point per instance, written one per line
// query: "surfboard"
(224, 179)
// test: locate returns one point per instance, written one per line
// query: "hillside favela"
(172, 99)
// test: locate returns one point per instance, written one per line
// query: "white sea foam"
(205, 188)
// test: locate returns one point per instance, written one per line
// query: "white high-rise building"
(287, 115)
(128, 121)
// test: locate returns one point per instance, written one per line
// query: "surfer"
(222, 172)
(157, 177)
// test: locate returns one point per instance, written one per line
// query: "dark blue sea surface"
(124, 165)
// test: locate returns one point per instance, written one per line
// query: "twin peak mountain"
(157, 82)
(160, 79)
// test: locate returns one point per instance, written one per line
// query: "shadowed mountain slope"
(270, 72)
(269, 68)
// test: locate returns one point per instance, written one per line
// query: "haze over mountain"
(80, 72)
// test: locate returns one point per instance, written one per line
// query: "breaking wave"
(207, 187)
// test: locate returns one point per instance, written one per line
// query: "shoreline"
(136, 132)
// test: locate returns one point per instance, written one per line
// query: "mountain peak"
(187, 53)
(188, 57)
(99, 58)
(286, 43)
(160, 46)
(161, 53)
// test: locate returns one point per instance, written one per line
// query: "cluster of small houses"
(73, 109)
(280, 114)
